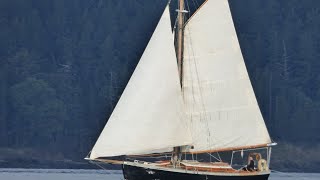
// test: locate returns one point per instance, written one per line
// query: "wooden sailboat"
(203, 104)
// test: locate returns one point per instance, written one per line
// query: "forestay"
(219, 98)
(149, 116)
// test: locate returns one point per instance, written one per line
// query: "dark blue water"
(67, 174)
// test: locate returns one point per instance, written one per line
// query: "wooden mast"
(177, 150)
(180, 39)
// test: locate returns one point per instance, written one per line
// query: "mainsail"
(149, 116)
(217, 91)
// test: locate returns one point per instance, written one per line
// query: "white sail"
(149, 116)
(218, 95)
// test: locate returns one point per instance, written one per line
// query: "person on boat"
(250, 165)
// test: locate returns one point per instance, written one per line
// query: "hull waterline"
(132, 172)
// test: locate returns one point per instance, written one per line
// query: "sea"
(68, 174)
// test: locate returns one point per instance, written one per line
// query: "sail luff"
(221, 106)
(149, 117)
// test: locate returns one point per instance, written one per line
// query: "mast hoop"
(181, 11)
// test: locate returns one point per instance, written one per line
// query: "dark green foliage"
(65, 63)
(39, 113)
(280, 43)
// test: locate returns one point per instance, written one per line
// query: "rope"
(213, 157)
(219, 156)
(201, 91)
(189, 11)
(92, 162)
(196, 3)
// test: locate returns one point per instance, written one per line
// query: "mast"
(180, 38)
(177, 150)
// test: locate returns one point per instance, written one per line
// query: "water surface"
(67, 174)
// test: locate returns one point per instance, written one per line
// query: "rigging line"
(92, 162)
(219, 156)
(213, 157)
(184, 14)
(192, 87)
(197, 3)
(200, 89)
(189, 15)
(188, 107)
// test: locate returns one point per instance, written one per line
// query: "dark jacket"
(250, 166)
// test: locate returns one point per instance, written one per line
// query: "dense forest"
(64, 65)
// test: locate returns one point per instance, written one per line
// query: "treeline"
(64, 64)
(63, 67)
(280, 43)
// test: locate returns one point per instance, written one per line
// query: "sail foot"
(229, 149)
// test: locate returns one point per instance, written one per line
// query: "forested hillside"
(65, 63)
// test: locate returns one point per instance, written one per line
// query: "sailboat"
(189, 95)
